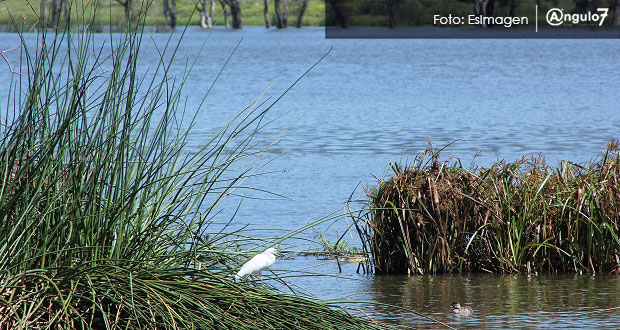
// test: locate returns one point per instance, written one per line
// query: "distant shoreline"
(112, 14)
(9, 28)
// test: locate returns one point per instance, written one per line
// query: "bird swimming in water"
(257, 264)
(460, 310)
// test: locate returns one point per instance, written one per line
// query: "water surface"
(501, 302)
(370, 102)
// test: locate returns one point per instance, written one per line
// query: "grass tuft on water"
(105, 202)
(513, 217)
(108, 297)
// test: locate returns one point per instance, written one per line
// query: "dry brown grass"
(522, 216)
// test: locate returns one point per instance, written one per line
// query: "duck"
(460, 310)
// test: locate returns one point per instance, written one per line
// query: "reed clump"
(521, 216)
(106, 204)
(116, 298)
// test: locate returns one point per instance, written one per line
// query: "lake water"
(370, 102)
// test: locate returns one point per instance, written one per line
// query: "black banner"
(472, 19)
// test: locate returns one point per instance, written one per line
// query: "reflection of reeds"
(524, 216)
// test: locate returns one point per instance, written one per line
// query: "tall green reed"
(96, 166)
(105, 202)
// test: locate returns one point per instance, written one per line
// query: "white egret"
(257, 264)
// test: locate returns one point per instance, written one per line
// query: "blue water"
(370, 102)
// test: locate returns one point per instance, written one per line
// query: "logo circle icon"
(555, 16)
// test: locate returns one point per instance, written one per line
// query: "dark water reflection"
(499, 302)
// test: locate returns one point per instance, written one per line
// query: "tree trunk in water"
(484, 8)
(54, 17)
(170, 13)
(166, 11)
(341, 17)
(276, 6)
(130, 16)
(51, 11)
(206, 13)
(235, 12)
(514, 4)
(266, 12)
(43, 12)
(285, 13)
(391, 4)
(480, 7)
(203, 14)
(490, 8)
(225, 10)
(617, 14)
(281, 14)
(66, 7)
(302, 11)
(211, 14)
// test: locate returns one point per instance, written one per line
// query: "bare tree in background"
(51, 11)
(514, 4)
(170, 12)
(266, 13)
(225, 10)
(235, 12)
(484, 8)
(42, 12)
(590, 6)
(206, 13)
(130, 15)
(341, 12)
(617, 14)
(391, 8)
(302, 11)
(282, 14)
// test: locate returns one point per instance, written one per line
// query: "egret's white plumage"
(258, 263)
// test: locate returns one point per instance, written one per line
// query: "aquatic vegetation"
(154, 298)
(340, 247)
(106, 204)
(522, 216)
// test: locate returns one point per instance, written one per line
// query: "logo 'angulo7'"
(557, 17)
